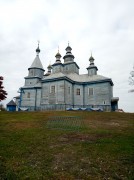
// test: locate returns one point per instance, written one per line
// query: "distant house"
(62, 87)
(11, 106)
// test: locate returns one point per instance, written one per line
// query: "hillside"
(88, 145)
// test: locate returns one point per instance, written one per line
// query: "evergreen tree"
(3, 93)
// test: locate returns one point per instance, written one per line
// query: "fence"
(62, 107)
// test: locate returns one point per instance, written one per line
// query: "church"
(62, 87)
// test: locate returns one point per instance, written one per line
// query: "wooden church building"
(62, 87)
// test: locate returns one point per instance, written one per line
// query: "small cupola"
(38, 49)
(49, 70)
(68, 49)
(57, 66)
(91, 59)
(58, 56)
(92, 69)
(69, 57)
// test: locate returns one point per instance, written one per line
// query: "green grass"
(33, 147)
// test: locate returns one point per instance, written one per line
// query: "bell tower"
(36, 70)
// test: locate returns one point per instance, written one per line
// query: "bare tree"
(131, 80)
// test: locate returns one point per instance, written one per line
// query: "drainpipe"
(20, 99)
(73, 95)
(64, 96)
(35, 98)
(84, 95)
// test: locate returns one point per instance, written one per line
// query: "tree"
(3, 93)
(2, 108)
(131, 80)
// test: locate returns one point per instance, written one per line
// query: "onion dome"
(49, 66)
(38, 49)
(58, 56)
(49, 70)
(92, 69)
(68, 48)
(69, 57)
(91, 59)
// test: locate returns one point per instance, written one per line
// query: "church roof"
(85, 77)
(11, 103)
(38, 85)
(55, 75)
(37, 63)
(77, 78)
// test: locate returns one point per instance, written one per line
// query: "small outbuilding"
(11, 106)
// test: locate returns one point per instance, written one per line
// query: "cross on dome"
(38, 49)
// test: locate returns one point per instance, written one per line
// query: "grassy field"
(33, 147)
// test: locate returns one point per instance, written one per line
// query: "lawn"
(89, 145)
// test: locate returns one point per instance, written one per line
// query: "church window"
(31, 72)
(52, 89)
(77, 91)
(68, 90)
(91, 91)
(28, 95)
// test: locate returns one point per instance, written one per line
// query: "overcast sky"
(105, 27)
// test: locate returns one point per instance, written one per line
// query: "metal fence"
(62, 107)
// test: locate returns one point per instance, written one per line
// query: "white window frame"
(53, 91)
(90, 91)
(78, 91)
